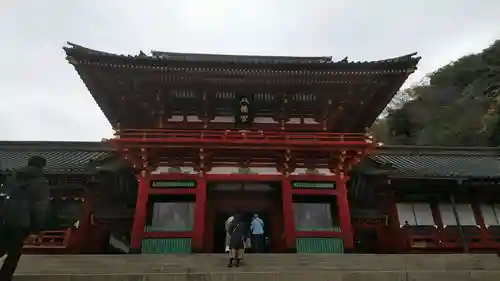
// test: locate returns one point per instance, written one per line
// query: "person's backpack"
(10, 196)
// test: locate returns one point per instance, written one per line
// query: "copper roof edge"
(55, 145)
(72, 47)
(436, 150)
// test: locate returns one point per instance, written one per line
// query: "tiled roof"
(238, 58)
(400, 161)
(62, 157)
(439, 162)
(76, 52)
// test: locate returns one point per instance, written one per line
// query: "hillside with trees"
(459, 104)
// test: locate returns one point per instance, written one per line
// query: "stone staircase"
(264, 267)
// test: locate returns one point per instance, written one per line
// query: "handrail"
(239, 131)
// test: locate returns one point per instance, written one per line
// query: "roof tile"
(65, 159)
(452, 165)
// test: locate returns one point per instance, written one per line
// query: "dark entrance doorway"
(224, 201)
(366, 241)
(220, 234)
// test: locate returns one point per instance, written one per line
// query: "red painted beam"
(171, 191)
(242, 140)
(164, 234)
(233, 132)
(319, 234)
(315, 192)
(244, 144)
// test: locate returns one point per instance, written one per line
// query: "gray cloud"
(42, 97)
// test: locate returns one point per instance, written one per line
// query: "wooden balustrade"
(448, 239)
(265, 140)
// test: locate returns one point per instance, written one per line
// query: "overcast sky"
(42, 97)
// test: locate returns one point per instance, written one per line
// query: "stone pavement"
(262, 267)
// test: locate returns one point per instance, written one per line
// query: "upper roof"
(438, 162)
(159, 58)
(160, 83)
(169, 56)
(62, 157)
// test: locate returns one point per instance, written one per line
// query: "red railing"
(241, 137)
(444, 239)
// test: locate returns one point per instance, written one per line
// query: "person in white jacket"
(228, 237)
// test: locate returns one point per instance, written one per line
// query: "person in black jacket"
(26, 196)
(238, 232)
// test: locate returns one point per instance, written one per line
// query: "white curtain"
(466, 214)
(405, 213)
(173, 216)
(490, 214)
(496, 208)
(464, 211)
(312, 216)
(423, 214)
(447, 216)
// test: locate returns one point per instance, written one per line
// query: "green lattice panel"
(318, 185)
(315, 245)
(173, 184)
(166, 245)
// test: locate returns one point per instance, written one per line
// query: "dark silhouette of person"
(25, 200)
(238, 232)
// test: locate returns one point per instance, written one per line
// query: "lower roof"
(397, 161)
(438, 162)
(62, 157)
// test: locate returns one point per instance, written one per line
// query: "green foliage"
(459, 105)
(494, 138)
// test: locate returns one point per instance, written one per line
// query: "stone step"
(261, 267)
(275, 276)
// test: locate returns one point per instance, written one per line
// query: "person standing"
(238, 232)
(228, 236)
(24, 200)
(257, 230)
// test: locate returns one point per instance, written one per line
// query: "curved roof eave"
(74, 49)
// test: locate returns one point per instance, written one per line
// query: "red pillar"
(140, 211)
(344, 215)
(399, 240)
(483, 231)
(199, 214)
(287, 205)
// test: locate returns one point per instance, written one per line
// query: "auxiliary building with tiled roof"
(438, 162)
(62, 157)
